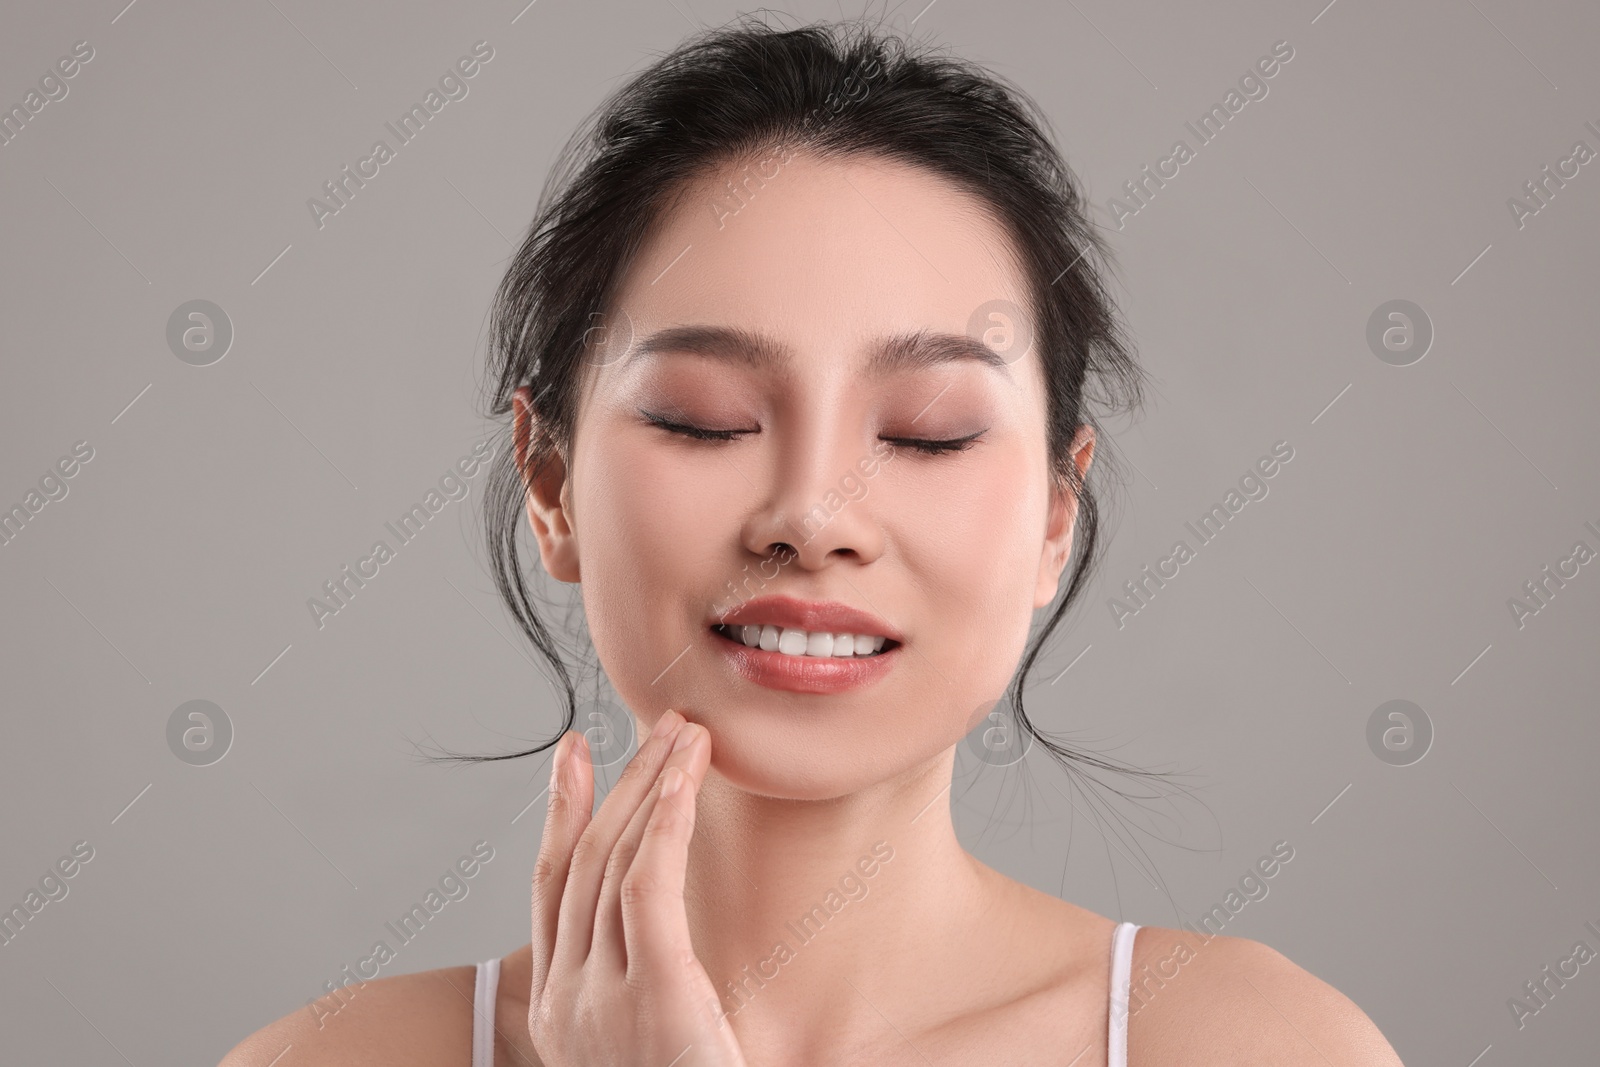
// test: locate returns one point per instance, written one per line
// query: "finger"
(575, 928)
(655, 926)
(566, 815)
(690, 754)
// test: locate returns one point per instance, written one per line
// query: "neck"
(786, 898)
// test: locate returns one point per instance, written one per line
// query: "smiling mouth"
(796, 643)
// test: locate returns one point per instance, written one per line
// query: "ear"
(549, 496)
(1062, 521)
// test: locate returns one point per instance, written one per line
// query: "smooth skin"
(643, 914)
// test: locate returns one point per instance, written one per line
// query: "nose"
(816, 505)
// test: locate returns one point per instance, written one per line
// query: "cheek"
(647, 525)
(975, 543)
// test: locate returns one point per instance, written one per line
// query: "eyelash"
(922, 445)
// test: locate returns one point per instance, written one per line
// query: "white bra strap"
(483, 994)
(1121, 973)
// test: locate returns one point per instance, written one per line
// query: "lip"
(805, 674)
(809, 615)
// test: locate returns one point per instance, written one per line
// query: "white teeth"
(792, 641)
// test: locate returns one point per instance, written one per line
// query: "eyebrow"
(919, 350)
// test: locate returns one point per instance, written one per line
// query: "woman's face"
(774, 318)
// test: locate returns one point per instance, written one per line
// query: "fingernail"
(685, 738)
(664, 725)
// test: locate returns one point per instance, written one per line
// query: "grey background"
(1378, 567)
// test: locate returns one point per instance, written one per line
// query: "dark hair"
(833, 89)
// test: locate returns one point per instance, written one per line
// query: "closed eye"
(935, 447)
(699, 433)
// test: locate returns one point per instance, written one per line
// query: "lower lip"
(805, 674)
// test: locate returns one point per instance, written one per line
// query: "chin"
(762, 772)
(819, 751)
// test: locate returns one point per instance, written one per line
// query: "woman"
(799, 365)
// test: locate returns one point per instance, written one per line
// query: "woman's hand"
(615, 977)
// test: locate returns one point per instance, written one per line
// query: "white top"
(1121, 974)
(483, 990)
(488, 980)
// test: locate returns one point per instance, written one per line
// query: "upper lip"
(813, 616)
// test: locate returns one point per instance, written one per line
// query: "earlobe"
(1057, 544)
(547, 494)
(1061, 523)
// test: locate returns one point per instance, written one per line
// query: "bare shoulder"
(422, 1018)
(1236, 1001)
